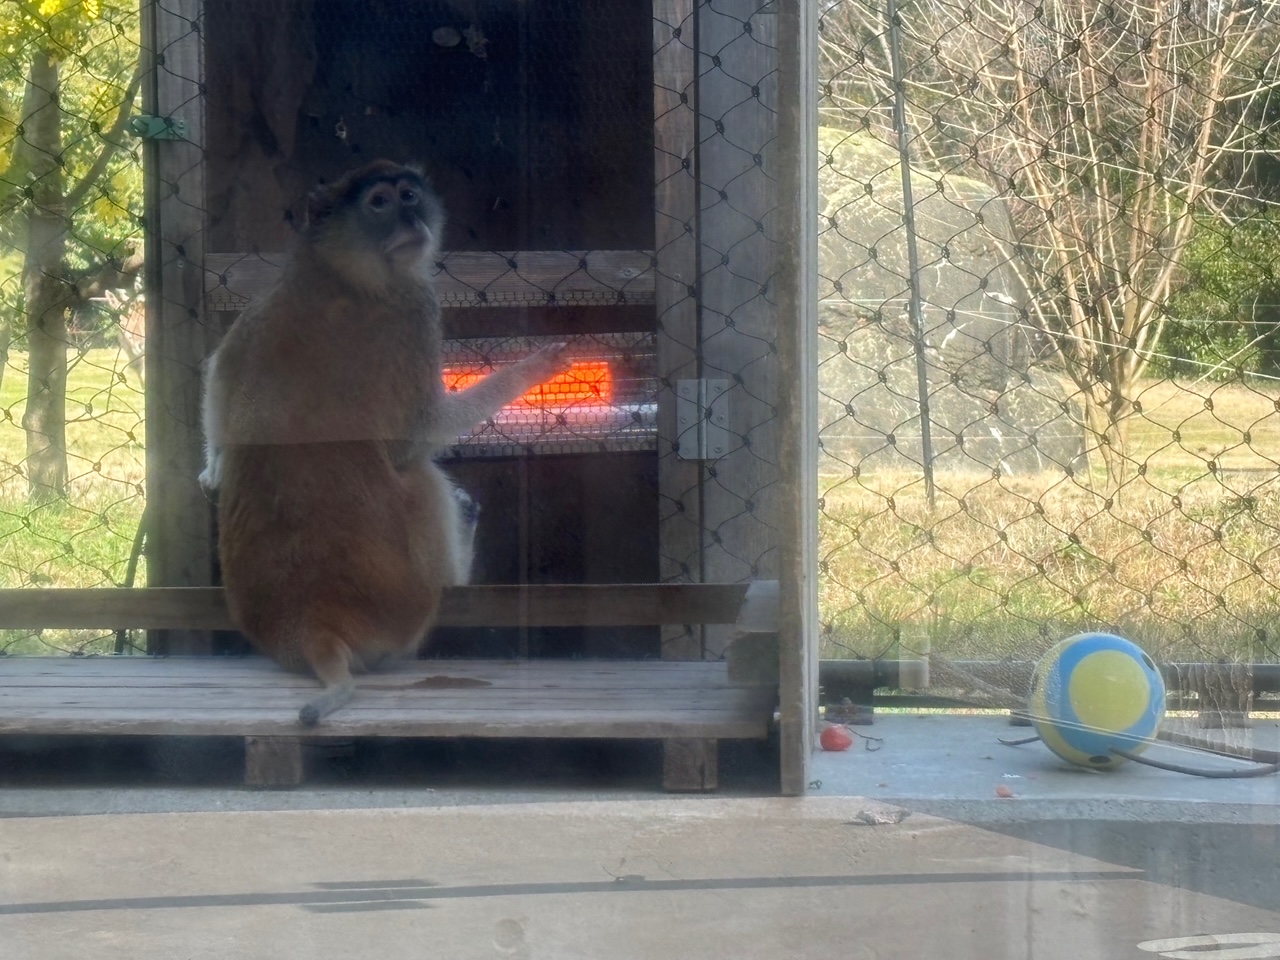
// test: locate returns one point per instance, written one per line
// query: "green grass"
(84, 540)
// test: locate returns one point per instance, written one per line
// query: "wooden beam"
(796, 290)
(687, 763)
(737, 165)
(675, 137)
(178, 518)
(252, 697)
(593, 605)
(521, 278)
(690, 766)
(272, 762)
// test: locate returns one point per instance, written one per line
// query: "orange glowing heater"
(587, 382)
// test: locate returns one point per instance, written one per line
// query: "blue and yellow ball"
(1093, 692)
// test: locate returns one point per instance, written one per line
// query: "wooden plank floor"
(424, 698)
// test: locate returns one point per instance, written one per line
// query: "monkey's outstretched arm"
(459, 412)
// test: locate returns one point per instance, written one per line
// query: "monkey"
(324, 411)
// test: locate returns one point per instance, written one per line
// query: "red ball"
(835, 737)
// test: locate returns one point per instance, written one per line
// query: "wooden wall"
(677, 126)
(542, 142)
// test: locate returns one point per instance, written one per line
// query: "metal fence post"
(913, 258)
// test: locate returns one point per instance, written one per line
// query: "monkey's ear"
(321, 203)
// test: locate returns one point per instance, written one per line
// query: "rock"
(995, 405)
(881, 816)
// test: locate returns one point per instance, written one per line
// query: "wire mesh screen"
(606, 174)
(604, 404)
(1048, 316)
(717, 258)
(71, 306)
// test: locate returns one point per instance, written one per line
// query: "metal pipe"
(840, 677)
(916, 308)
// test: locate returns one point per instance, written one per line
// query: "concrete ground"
(541, 851)
(952, 766)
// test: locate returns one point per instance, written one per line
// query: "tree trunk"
(1266, 327)
(1107, 422)
(45, 420)
(1118, 444)
(47, 293)
(6, 337)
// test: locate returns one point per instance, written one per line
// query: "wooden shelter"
(636, 173)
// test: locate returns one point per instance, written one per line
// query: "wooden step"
(251, 696)
(689, 704)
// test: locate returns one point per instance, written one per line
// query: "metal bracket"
(148, 127)
(702, 419)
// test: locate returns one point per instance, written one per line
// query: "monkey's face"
(391, 215)
(383, 215)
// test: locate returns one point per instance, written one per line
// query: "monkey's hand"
(461, 411)
(211, 477)
(542, 365)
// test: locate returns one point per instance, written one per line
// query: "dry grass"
(1182, 559)
(1186, 431)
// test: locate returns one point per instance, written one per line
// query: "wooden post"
(1225, 693)
(691, 765)
(179, 535)
(676, 298)
(687, 764)
(797, 173)
(736, 327)
(272, 762)
(737, 97)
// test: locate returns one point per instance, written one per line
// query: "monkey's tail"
(330, 659)
(332, 698)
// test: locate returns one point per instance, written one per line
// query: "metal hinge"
(148, 127)
(702, 419)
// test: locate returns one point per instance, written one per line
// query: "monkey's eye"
(378, 201)
(408, 196)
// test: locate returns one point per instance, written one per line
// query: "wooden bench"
(689, 704)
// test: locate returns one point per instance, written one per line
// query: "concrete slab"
(952, 766)
(690, 879)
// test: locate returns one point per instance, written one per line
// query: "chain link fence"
(71, 307)
(606, 172)
(1048, 302)
(1049, 319)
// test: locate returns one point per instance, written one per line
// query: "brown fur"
(323, 407)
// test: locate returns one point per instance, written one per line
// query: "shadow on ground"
(1232, 861)
(54, 763)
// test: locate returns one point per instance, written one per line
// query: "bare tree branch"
(1107, 128)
